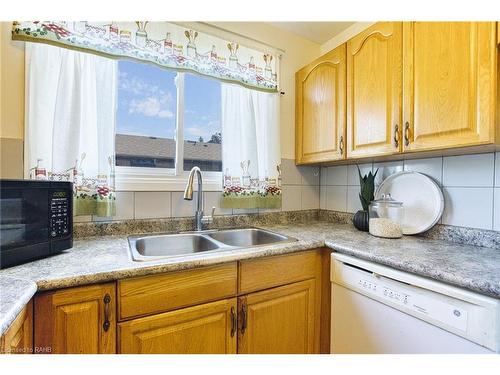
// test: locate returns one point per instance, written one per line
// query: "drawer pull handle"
(407, 133)
(233, 322)
(106, 324)
(341, 145)
(243, 318)
(396, 136)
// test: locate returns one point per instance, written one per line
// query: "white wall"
(470, 184)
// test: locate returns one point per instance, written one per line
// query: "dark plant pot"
(360, 220)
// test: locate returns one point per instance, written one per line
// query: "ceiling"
(317, 32)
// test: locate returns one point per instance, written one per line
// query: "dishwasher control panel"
(405, 297)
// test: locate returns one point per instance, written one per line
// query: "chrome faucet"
(188, 195)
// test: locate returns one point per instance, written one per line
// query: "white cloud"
(150, 106)
(202, 130)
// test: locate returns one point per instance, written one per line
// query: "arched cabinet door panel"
(374, 91)
(320, 109)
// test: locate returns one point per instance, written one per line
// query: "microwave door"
(24, 217)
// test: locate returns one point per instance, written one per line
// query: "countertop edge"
(11, 314)
(415, 268)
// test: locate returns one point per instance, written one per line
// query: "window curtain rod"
(228, 34)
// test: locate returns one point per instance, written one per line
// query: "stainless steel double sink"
(159, 246)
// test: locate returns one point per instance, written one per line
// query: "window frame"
(166, 179)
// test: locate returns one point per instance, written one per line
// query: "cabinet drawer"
(265, 273)
(158, 293)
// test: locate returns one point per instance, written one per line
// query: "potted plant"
(367, 189)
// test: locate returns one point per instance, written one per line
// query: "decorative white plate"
(423, 201)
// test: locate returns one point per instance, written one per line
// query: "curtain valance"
(161, 43)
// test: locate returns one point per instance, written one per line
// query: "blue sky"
(147, 103)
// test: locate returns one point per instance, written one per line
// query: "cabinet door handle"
(243, 318)
(407, 133)
(106, 324)
(234, 322)
(396, 136)
(341, 145)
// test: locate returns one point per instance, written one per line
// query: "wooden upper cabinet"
(77, 320)
(279, 321)
(204, 329)
(450, 84)
(18, 339)
(320, 109)
(374, 91)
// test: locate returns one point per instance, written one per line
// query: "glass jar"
(386, 217)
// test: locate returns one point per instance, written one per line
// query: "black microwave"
(36, 220)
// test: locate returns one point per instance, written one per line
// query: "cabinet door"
(374, 91)
(282, 320)
(18, 339)
(204, 329)
(450, 80)
(320, 109)
(76, 320)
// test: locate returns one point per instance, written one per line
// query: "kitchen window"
(155, 109)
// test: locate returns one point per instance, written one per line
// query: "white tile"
(266, 210)
(310, 175)
(212, 199)
(82, 218)
(336, 198)
(336, 175)
(386, 169)
(290, 174)
(496, 210)
(310, 197)
(353, 203)
(352, 173)
(468, 207)
(497, 169)
(322, 197)
(152, 204)
(181, 207)
(432, 167)
(245, 211)
(292, 198)
(468, 170)
(124, 207)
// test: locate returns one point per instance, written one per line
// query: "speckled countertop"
(14, 295)
(101, 259)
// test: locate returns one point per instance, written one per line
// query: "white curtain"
(250, 148)
(70, 123)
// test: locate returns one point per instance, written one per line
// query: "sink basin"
(170, 244)
(151, 247)
(247, 237)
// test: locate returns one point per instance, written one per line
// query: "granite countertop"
(101, 259)
(14, 295)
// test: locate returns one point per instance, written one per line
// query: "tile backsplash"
(301, 191)
(470, 183)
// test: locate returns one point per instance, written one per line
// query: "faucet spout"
(188, 195)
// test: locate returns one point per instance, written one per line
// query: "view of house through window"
(202, 125)
(146, 119)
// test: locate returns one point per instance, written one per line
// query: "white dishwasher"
(377, 309)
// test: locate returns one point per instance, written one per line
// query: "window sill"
(152, 179)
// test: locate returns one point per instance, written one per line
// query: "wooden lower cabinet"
(203, 329)
(78, 320)
(19, 337)
(281, 320)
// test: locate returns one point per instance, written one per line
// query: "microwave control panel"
(59, 212)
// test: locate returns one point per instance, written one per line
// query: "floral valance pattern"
(161, 43)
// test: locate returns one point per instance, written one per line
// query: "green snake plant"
(367, 188)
